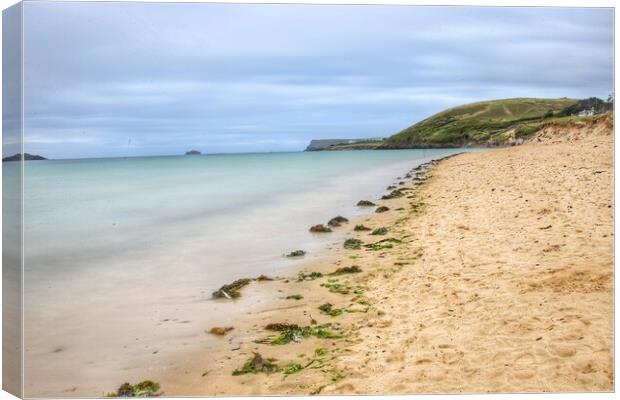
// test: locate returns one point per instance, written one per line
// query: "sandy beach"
(500, 280)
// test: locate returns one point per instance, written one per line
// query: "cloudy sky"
(128, 79)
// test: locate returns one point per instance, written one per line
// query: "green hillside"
(482, 123)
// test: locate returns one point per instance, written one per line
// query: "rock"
(193, 153)
(220, 331)
(393, 194)
(296, 253)
(390, 187)
(365, 203)
(360, 228)
(27, 157)
(320, 229)
(382, 209)
(380, 231)
(262, 278)
(231, 291)
(337, 221)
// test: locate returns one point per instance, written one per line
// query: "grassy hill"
(483, 123)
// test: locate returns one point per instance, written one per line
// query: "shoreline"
(476, 297)
(239, 342)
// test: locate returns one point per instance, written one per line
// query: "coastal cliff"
(483, 124)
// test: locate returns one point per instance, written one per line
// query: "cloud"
(120, 79)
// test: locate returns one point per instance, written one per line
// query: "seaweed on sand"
(383, 244)
(329, 309)
(142, 389)
(309, 277)
(255, 365)
(294, 297)
(295, 333)
(281, 326)
(353, 244)
(292, 368)
(360, 228)
(334, 286)
(379, 231)
(231, 290)
(354, 269)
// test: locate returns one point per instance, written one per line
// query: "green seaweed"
(255, 365)
(360, 290)
(383, 244)
(334, 286)
(354, 269)
(329, 309)
(292, 369)
(353, 244)
(294, 333)
(294, 297)
(320, 352)
(379, 231)
(143, 389)
(309, 277)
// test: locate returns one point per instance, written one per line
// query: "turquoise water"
(86, 214)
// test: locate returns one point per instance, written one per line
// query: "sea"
(115, 246)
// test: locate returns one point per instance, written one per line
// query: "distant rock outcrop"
(27, 157)
(193, 153)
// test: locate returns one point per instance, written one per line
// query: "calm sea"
(116, 247)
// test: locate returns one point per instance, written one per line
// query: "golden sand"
(503, 282)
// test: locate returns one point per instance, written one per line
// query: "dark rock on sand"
(220, 331)
(382, 209)
(296, 253)
(380, 231)
(393, 194)
(365, 203)
(231, 290)
(337, 221)
(320, 229)
(360, 228)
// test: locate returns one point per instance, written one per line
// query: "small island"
(27, 157)
(193, 153)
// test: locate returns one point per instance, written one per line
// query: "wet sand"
(503, 282)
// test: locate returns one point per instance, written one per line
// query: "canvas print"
(204, 199)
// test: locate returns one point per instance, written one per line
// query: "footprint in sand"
(562, 350)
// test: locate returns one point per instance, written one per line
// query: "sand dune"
(502, 283)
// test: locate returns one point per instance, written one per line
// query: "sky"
(135, 79)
